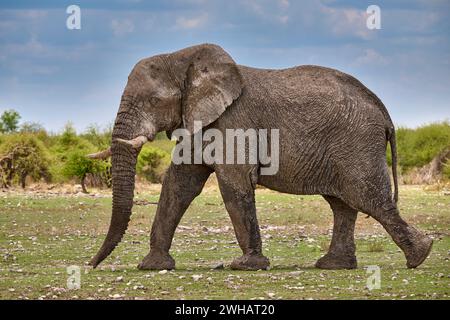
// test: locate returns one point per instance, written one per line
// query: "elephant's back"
(307, 92)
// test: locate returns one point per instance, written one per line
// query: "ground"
(42, 233)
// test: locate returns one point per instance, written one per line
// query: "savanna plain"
(42, 232)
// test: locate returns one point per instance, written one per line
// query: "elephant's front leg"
(239, 197)
(182, 183)
(341, 254)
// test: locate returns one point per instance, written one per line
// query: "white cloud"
(284, 4)
(283, 19)
(414, 21)
(344, 21)
(371, 57)
(32, 14)
(274, 12)
(32, 47)
(122, 27)
(192, 23)
(254, 6)
(12, 21)
(25, 67)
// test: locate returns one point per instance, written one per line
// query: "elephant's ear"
(213, 82)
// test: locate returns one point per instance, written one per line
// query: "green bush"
(152, 163)
(62, 146)
(417, 147)
(23, 155)
(69, 152)
(77, 165)
(97, 137)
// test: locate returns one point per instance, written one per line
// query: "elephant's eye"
(154, 101)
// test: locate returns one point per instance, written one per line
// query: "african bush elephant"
(333, 135)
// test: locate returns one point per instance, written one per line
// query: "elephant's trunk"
(123, 175)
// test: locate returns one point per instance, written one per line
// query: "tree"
(70, 152)
(32, 127)
(21, 156)
(69, 136)
(152, 163)
(79, 166)
(9, 121)
(100, 138)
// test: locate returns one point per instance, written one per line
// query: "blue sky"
(52, 75)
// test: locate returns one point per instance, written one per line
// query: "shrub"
(77, 165)
(152, 163)
(97, 137)
(69, 152)
(31, 127)
(417, 147)
(23, 155)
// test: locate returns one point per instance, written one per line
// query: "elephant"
(333, 136)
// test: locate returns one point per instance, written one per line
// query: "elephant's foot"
(157, 261)
(250, 262)
(334, 262)
(419, 251)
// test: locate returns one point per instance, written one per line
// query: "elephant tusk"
(105, 154)
(135, 143)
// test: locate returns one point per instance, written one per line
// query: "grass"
(42, 234)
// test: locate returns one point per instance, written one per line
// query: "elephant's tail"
(393, 143)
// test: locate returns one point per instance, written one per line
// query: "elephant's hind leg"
(375, 199)
(415, 245)
(341, 254)
(182, 183)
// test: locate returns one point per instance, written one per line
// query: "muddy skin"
(157, 261)
(341, 254)
(333, 138)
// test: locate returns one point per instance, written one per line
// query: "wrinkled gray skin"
(333, 138)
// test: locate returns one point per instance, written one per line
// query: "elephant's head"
(163, 93)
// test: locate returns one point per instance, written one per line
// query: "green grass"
(40, 235)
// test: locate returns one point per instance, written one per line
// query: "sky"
(51, 74)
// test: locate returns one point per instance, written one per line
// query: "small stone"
(162, 271)
(218, 266)
(197, 277)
